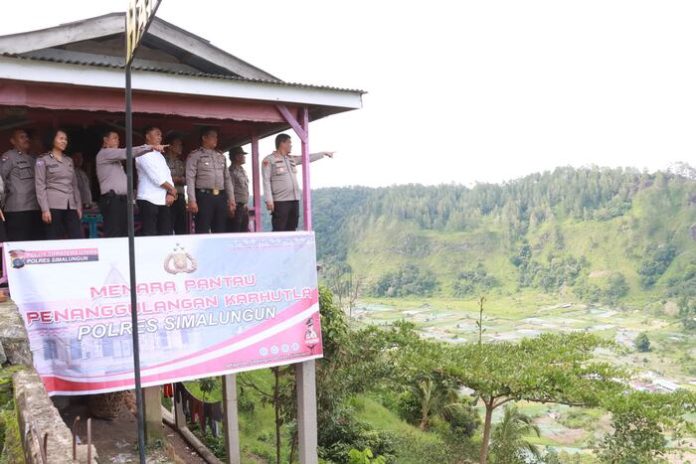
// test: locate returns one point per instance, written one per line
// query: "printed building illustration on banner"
(113, 352)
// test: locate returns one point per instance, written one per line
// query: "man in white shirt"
(156, 191)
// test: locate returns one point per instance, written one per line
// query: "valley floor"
(667, 366)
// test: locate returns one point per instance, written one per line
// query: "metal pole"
(131, 262)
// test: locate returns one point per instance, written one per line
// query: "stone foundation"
(35, 410)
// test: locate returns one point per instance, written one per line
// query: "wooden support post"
(256, 179)
(296, 125)
(305, 373)
(305, 376)
(231, 419)
(153, 414)
(306, 184)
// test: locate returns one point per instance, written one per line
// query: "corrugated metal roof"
(107, 62)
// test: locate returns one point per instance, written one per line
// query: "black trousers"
(24, 225)
(64, 224)
(212, 212)
(240, 221)
(115, 213)
(178, 214)
(285, 215)
(156, 219)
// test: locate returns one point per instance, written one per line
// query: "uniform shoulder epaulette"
(267, 160)
(6, 155)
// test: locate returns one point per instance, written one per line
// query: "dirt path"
(116, 440)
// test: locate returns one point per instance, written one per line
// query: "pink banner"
(207, 305)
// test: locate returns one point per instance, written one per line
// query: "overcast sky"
(460, 91)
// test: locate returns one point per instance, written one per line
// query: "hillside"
(595, 234)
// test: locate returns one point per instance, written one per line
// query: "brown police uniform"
(3, 232)
(21, 208)
(85, 186)
(208, 184)
(178, 208)
(240, 181)
(280, 187)
(57, 191)
(113, 185)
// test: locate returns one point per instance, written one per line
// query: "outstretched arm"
(314, 156)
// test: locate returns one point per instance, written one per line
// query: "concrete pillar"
(231, 419)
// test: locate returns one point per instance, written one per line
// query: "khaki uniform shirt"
(178, 169)
(241, 184)
(110, 170)
(84, 185)
(279, 176)
(206, 169)
(17, 171)
(56, 183)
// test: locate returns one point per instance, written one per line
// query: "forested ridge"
(595, 233)
(441, 384)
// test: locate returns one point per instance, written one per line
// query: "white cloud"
(461, 91)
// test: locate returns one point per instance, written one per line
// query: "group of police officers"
(216, 195)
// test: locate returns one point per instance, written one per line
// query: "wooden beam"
(256, 182)
(306, 181)
(78, 31)
(294, 123)
(64, 97)
(305, 373)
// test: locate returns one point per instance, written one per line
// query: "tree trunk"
(425, 416)
(276, 406)
(486, 432)
(423, 423)
(293, 446)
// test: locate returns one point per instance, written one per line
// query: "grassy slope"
(258, 432)
(257, 429)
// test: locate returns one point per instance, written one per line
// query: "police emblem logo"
(180, 261)
(17, 258)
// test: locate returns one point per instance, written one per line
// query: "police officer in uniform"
(57, 191)
(178, 170)
(113, 183)
(280, 183)
(83, 181)
(3, 233)
(209, 186)
(22, 213)
(240, 221)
